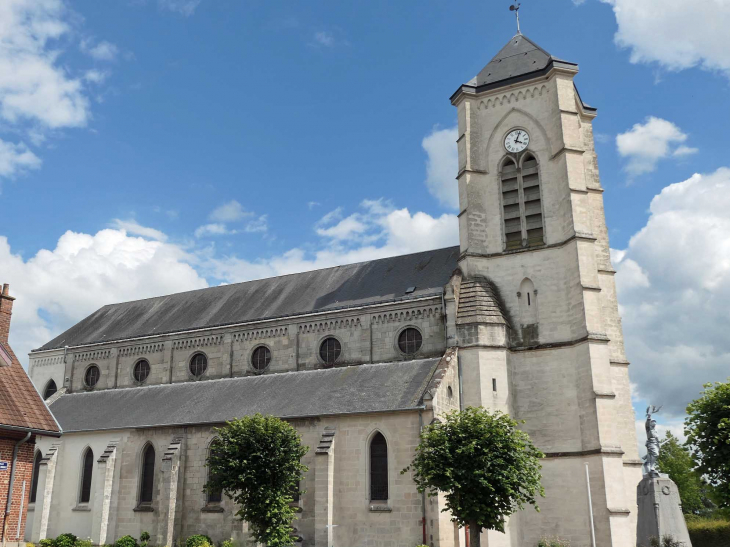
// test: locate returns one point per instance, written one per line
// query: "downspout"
(461, 382)
(10, 486)
(423, 494)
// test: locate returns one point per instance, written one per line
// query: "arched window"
(147, 478)
(260, 358)
(87, 470)
(92, 375)
(198, 365)
(528, 302)
(521, 204)
(216, 495)
(410, 340)
(330, 350)
(378, 468)
(50, 390)
(34, 478)
(141, 370)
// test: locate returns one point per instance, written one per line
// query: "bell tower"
(537, 325)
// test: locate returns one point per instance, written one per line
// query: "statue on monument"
(652, 443)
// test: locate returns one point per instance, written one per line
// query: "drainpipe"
(12, 481)
(423, 494)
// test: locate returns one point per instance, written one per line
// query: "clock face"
(516, 140)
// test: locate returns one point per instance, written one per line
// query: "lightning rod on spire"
(516, 8)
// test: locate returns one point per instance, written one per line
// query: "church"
(520, 317)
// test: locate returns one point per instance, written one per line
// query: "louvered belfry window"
(50, 390)
(86, 474)
(147, 480)
(378, 468)
(521, 204)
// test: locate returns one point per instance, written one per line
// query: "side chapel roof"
(351, 285)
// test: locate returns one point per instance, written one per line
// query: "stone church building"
(521, 317)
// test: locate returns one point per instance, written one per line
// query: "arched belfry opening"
(521, 203)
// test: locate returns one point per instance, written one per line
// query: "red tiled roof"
(20, 404)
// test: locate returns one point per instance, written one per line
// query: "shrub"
(709, 533)
(46, 542)
(144, 538)
(199, 540)
(228, 543)
(553, 542)
(126, 541)
(83, 543)
(65, 540)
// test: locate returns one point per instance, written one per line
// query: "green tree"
(486, 467)
(257, 463)
(708, 432)
(675, 459)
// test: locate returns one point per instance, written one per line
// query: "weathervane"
(516, 8)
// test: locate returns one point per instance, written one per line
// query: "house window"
(50, 390)
(147, 478)
(91, 377)
(410, 340)
(86, 473)
(260, 358)
(141, 370)
(330, 350)
(34, 478)
(378, 468)
(216, 495)
(521, 204)
(198, 365)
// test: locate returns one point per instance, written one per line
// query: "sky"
(155, 146)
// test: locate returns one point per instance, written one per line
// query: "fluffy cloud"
(323, 38)
(134, 228)
(229, 212)
(58, 287)
(16, 158)
(213, 229)
(183, 7)
(676, 34)
(645, 144)
(674, 290)
(442, 165)
(103, 51)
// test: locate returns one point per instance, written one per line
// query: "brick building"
(521, 317)
(24, 418)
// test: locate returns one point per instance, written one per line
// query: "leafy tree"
(257, 463)
(675, 459)
(486, 467)
(708, 432)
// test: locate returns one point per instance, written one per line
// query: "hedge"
(709, 533)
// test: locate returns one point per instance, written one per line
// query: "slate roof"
(376, 281)
(344, 390)
(21, 407)
(519, 59)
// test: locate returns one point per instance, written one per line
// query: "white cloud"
(229, 212)
(96, 76)
(58, 287)
(676, 34)
(682, 151)
(183, 7)
(313, 204)
(214, 229)
(258, 225)
(103, 51)
(34, 87)
(674, 292)
(323, 38)
(134, 228)
(645, 144)
(345, 228)
(442, 165)
(16, 159)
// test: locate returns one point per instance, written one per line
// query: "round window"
(91, 378)
(260, 358)
(198, 365)
(410, 341)
(141, 370)
(330, 350)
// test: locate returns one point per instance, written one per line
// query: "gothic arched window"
(34, 478)
(216, 495)
(50, 390)
(147, 475)
(87, 470)
(378, 468)
(521, 204)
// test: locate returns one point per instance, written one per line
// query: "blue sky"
(154, 146)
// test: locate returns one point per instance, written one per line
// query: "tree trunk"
(475, 533)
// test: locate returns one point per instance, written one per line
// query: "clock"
(516, 140)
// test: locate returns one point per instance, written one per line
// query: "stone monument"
(660, 509)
